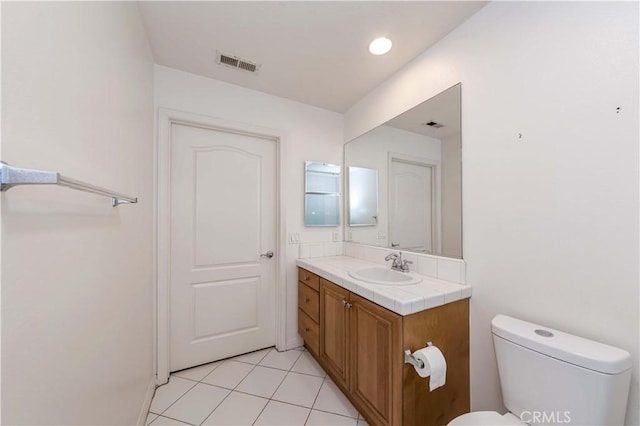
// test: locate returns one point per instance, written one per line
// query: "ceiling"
(314, 52)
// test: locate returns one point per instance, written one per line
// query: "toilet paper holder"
(410, 359)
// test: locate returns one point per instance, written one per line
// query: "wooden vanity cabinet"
(361, 347)
(308, 310)
(334, 332)
(375, 343)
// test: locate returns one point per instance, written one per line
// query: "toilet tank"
(550, 377)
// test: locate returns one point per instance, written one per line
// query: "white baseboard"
(293, 343)
(146, 404)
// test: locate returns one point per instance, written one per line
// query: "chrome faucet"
(398, 264)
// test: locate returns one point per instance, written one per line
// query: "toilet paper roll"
(434, 365)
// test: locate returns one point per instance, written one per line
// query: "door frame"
(162, 218)
(436, 194)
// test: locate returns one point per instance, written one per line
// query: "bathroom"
(549, 106)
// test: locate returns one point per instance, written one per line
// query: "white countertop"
(403, 300)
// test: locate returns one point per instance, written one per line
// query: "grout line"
(338, 414)
(234, 388)
(216, 407)
(238, 384)
(280, 384)
(248, 362)
(193, 380)
(306, 374)
(261, 411)
(324, 379)
(178, 420)
(250, 371)
(148, 423)
(177, 399)
(251, 394)
(220, 362)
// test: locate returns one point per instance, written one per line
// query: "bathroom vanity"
(360, 344)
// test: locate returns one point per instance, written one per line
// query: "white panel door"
(223, 202)
(410, 205)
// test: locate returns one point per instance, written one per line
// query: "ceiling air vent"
(433, 124)
(236, 62)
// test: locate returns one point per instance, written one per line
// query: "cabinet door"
(376, 361)
(334, 331)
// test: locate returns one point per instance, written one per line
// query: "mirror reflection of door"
(411, 205)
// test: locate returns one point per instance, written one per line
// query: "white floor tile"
(228, 374)
(169, 393)
(237, 409)
(331, 399)
(164, 421)
(362, 422)
(299, 389)
(278, 413)
(197, 373)
(280, 360)
(320, 418)
(307, 365)
(150, 417)
(262, 381)
(197, 404)
(252, 357)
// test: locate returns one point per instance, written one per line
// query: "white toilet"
(551, 377)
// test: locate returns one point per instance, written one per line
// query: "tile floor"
(265, 387)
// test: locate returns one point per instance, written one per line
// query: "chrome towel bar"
(13, 176)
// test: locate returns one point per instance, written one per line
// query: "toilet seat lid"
(479, 418)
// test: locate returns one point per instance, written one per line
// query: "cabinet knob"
(348, 305)
(307, 329)
(344, 302)
(307, 300)
(307, 278)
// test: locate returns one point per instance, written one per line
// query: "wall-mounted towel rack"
(13, 176)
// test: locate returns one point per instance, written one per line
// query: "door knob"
(268, 254)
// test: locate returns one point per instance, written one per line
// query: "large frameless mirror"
(417, 159)
(321, 194)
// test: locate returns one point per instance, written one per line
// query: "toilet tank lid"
(563, 346)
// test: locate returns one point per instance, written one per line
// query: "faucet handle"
(405, 265)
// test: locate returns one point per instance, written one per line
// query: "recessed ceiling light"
(380, 46)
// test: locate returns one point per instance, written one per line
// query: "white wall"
(550, 220)
(312, 134)
(77, 323)
(371, 151)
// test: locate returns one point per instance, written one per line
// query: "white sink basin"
(384, 276)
